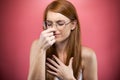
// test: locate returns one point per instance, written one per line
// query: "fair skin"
(59, 36)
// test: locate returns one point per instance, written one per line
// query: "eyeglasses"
(59, 24)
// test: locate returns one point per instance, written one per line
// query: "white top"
(80, 76)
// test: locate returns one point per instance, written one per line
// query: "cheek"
(66, 32)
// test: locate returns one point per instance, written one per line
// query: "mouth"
(56, 35)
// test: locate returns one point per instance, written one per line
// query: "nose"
(54, 26)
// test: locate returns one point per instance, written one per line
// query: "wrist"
(43, 50)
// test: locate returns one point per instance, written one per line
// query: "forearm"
(37, 67)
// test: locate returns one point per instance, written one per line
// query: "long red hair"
(73, 47)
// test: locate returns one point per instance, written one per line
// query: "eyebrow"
(55, 21)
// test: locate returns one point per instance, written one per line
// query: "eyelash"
(59, 23)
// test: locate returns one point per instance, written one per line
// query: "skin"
(59, 37)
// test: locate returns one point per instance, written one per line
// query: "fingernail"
(53, 55)
(47, 58)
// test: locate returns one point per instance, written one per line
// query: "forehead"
(53, 16)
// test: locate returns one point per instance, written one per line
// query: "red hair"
(73, 47)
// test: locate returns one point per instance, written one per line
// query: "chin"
(59, 40)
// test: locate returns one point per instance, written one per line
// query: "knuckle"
(54, 41)
(53, 37)
(47, 39)
(42, 32)
(49, 43)
(44, 36)
(52, 33)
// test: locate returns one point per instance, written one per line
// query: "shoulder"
(89, 64)
(88, 56)
(88, 52)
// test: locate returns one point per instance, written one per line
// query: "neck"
(60, 47)
(61, 51)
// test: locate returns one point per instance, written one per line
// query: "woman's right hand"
(46, 39)
(37, 59)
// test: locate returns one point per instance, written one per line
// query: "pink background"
(22, 23)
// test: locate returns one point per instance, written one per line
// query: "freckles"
(67, 33)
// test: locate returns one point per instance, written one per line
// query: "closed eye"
(49, 23)
(60, 23)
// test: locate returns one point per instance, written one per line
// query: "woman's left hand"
(60, 70)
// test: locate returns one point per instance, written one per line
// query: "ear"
(74, 24)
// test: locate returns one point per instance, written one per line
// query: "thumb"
(70, 62)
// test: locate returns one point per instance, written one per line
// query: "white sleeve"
(80, 75)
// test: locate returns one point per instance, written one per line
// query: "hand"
(46, 39)
(60, 70)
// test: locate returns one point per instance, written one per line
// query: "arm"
(90, 65)
(37, 63)
(38, 55)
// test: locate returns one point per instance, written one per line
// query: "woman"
(58, 53)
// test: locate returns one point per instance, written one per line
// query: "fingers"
(50, 40)
(47, 38)
(59, 69)
(52, 67)
(70, 62)
(53, 73)
(49, 34)
(49, 30)
(53, 62)
(47, 45)
(58, 61)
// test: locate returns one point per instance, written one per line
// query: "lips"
(56, 35)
